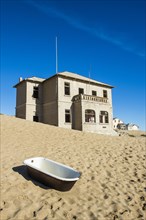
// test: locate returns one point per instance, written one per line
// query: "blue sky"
(103, 37)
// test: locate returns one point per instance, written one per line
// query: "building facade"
(66, 100)
(132, 127)
(117, 122)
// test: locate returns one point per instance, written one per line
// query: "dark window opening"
(67, 88)
(90, 115)
(106, 119)
(35, 118)
(35, 92)
(94, 93)
(67, 116)
(81, 91)
(105, 93)
(103, 117)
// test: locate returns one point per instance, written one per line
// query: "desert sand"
(112, 185)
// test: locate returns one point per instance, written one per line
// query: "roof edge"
(27, 80)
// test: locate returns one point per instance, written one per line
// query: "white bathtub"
(51, 173)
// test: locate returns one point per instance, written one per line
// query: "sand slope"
(112, 185)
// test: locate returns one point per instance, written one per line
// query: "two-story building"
(66, 100)
(118, 123)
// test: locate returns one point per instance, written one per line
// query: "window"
(81, 91)
(67, 88)
(35, 92)
(67, 116)
(106, 119)
(105, 93)
(94, 93)
(89, 115)
(35, 118)
(103, 117)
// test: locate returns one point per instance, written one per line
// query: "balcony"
(89, 98)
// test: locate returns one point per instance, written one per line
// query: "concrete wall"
(33, 105)
(50, 103)
(50, 91)
(97, 107)
(50, 113)
(116, 121)
(21, 111)
(74, 89)
(77, 116)
(21, 100)
(21, 94)
(62, 106)
(78, 110)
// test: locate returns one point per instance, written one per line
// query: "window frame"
(35, 92)
(93, 91)
(90, 116)
(105, 93)
(67, 88)
(104, 117)
(67, 114)
(81, 91)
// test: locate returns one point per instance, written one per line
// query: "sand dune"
(112, 185)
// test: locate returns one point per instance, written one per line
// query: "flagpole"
(56, 56)
(89, 78)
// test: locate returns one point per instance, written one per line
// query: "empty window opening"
(67, 116)
(35, 118)
(105, 93)
(67, 88)
(81, 91)
(35, 92)
(94, 93)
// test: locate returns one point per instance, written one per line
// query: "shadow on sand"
(22, 170)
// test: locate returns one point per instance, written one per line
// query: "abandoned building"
(66, 100)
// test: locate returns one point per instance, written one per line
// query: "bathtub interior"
(52, 167)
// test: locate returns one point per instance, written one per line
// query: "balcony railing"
(89, 98)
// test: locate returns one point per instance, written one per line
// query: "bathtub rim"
(27, 163)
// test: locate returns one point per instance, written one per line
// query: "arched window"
(90, 115)
(103, 117)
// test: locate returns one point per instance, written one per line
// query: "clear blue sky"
(104, 37)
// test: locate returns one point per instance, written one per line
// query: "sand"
(112, 185)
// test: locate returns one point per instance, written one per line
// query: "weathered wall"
(50, 113)
(77, 116)
(50, 92)
(50, 104)
(97, 126)
(21, 111)
(33, 105)
(78, 111)
(21, 100)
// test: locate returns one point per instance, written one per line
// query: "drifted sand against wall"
(112, 185)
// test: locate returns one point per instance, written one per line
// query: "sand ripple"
(112, 185)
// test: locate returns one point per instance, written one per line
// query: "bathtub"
(51, 173)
